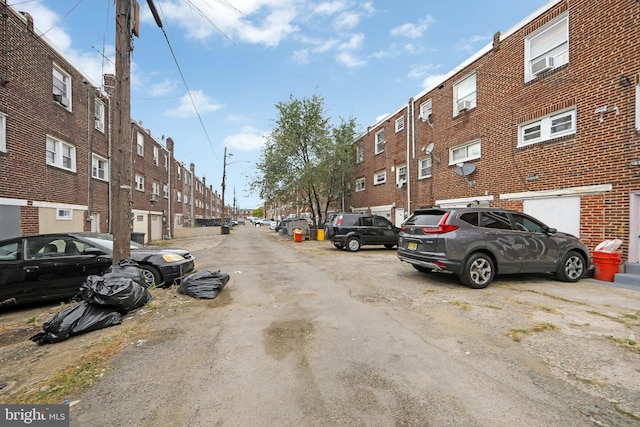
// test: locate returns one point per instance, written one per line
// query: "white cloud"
(249, 139)
(163, 88)
(347, 21)
(329, 7)
(412, 31)
(470, 44)
(354, 43)
(420, 71)
(349, 60)
(432, 81)
(185, 108)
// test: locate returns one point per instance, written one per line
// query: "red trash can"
(297, 235)
(607, 265)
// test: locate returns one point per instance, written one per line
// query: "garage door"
(562, 213)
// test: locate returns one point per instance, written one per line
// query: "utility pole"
(121, 156)
(224, 172)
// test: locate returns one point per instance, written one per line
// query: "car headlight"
(170, 257)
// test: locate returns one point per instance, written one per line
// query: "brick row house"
(55, 149)
(545, 120)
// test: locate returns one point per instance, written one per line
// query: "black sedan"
(53, 266)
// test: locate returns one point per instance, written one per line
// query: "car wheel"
(151, 276)
(422, 269)
(478, 271)
(353, 244)
(572, 267)
(389, 246)
(338, 245)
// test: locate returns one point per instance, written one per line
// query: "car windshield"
(105, 241)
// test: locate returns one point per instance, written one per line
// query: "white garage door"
(562, 213)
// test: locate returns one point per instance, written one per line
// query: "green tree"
(306, 160)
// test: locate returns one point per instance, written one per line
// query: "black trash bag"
(126, 268)
(75, 320)
(121, 293)
(203, 284)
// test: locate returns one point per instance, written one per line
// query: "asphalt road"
(308, 335)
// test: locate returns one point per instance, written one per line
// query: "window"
(359, 184)
(3, 133)
(380, 178)
(401, 174)
(464, 153)
(547, 128)
(166, 162)
(140, 144)
(61, 87)
(179, 172)
(547, 48)
(426, 108)
(360, 152)
(165, 191)
(99, 114)
(464, 94)
(156, 156)
(139, 182)
(179, 196)
(499, 220)
(399, 124)
(424, 168)
(99, 167)
(61, 154)
(637, 109)
(64, 214)
(380, 141)
(155, 188)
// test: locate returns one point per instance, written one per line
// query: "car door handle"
(30, 268)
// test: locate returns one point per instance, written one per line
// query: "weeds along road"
(308, 335)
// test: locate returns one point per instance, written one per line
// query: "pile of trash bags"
(203, 284)
(104, 299)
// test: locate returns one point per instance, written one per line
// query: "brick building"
(545, 119)
(55, 149)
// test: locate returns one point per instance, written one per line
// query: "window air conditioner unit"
(542, 65)
(464, 105)
(154, 197)
(61, 99)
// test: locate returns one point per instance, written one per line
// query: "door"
(385, 231)
(399, 217)
(506, 244)
(95, 222)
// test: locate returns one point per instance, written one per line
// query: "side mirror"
(551, 230)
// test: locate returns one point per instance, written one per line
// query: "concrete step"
(630, 278)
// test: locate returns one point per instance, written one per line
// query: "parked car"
(53, 266)
(478, 243)
(351, 231)
(274, 225)
(264, 221)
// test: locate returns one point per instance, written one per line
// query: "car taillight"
(339, 220)
(442, 227)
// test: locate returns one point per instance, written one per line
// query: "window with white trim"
(546, 128)
(465, 153)
(401, 174)
(139, 182)
(165, 191)
(99, 167)
(464, 94)
(178, 196)
(64, 214)
(638, 106)
(547, 48)
(426, 109)
(140, 144)
(61, 87)
(380, 178)
(3, 133)
(99, 114)
(359, 152)
(399, 124)
(424, 168)
(179, 173)
(166, 162)
(61, 154)
(380, 141)
(155, 188)
(156, 156)
(359, 184)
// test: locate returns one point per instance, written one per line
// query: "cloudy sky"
(212, 77)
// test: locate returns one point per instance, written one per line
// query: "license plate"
(412, 246)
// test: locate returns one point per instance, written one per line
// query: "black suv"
(478, 243)
(352, 230)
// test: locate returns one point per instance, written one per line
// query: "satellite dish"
(465, 169)
(429, 149)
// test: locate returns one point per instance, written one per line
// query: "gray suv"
(478, 243)
(352, 230)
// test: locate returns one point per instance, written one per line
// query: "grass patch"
(549, 310)
(629, 344)
(461, 305)
(428, 291)
(517, 334)
(495, 307)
